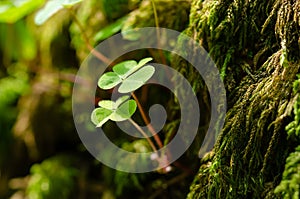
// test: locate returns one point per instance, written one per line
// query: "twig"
(143, 133)
(146, 120)
(96, 53)
(162, 57)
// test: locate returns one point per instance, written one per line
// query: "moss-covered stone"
(255, 45)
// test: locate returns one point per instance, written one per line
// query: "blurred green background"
(42, 44)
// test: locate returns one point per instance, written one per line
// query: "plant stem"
(147, 122)
(162, 57)
(143, 133)
(96, 53)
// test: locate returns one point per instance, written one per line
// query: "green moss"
(247, 40)
(171, 14)
(290, 184)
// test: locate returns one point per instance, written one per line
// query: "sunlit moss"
(247, 40)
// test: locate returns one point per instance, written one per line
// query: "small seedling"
(129, 76)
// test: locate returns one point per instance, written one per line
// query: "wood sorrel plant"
(131, 76)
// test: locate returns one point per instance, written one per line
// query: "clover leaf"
(120, 110)
(137, 79)
(129, 73)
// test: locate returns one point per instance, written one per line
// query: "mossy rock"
(255, 45)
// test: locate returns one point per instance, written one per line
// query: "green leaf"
(137, 79)
(52, 7)
(107, 104)
(123, 69)
(124, 112)
(125, 72)
(139, 65)
(121, 100)
(116, 111)
(144, 61)
(100, 116)
(126, 68)
(109, 80)
(110, 30)
(12, 11)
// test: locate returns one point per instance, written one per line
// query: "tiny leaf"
(109, 80)
(121, 100)
(107, 104)
(125, 111)
(100, 116)
(144, 61)
(122, 69)
(116, 111)
(139, 65)
(137, 79)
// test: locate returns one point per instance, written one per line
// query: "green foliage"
(120, 110)
(11, 11)
(53, 178)
(242, 39)
(129, 74)
(110, 30)
(293, 128)
(126, 182)
(289, 186)
(171, 14)
(114, 9)
(11, 88)
(52, 7)
(17, 42)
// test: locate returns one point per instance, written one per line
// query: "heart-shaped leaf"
(116, 111)
(100, 116)
(129, 73)
(137, 79)
(126, 68)
(121, 100)
(124, 112)
(122, 69)
(109, 80)
(143, 62)
(108, 104)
